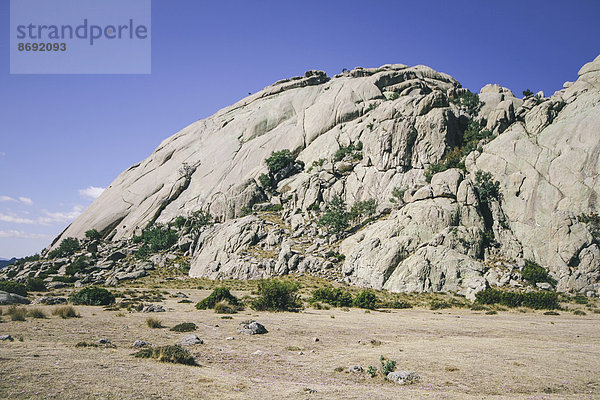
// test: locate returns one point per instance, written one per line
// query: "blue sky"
(61, 136)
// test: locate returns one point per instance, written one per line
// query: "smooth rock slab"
(6, 337)
(403, 377)
(11, 298)
(252, 328)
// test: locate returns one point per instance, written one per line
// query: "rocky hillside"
(396, 177)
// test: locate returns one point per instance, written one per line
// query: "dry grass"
(16, 313)
(459, 354)
(154, 323)
(36, 313)
(65, 312)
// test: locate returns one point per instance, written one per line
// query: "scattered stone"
(403, 377)
(153, 308)
(309, 391)
(544, 285)
(230, 338)
(258, 353)
(103, 341)
(300, 353)
(316, 339)
(182, 295)
(355, 368)
(6, 337)
(140, 343)
(49, 300)
(190, 340)
(251, 328)
(11, 298)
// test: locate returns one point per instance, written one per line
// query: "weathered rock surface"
(252, 328)
(369, 133)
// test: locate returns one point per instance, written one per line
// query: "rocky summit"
(392, 178)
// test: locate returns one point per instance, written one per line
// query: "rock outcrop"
(465, 191)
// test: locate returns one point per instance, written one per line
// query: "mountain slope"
(466, 187)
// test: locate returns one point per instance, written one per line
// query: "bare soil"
(459, 354)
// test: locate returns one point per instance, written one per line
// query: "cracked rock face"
(371, 133)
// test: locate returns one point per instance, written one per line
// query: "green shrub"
(486, 188)
(65, 312)
(92, 296)
(365, 299)
(66, 248)
(172, 354)
(93, 234)
(217, 295)
(580, 299)
(16, 313)
(534, 273)
(335, 219)
(469, 102)
(13, 287)
(372, 371)
(398, 194)
(527, 93)
(541, 300)
(35, 285)
(537, 300)
(65, 279)
(354, 151)
(438, 305)
(336, 297)
(362, 209)
(184, 327)
(279, 160)
(579, 312)
(154, 323)
(266, 181)
(179, 222)
(157, 237)
(387, 366)
(275, 295)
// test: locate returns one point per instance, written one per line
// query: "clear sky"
(64, 137)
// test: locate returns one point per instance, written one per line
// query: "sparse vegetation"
(387, 365)
(184, 327)
(276, 295)
(527, 93)
(35, 285)
(362, 209)
(155, 238)
(16, 313)
(225, 307)
(154, 323)
(279, 160)
(67, 247)
(171, 354)
(92, 296)
(65, 312)
(354, 152)
(398, 194)
(37, 313)
(468, 102)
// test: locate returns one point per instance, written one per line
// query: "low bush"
(93, 234)
(92, 296)
(35, 285)
(154, 323)
(275, 295)
(13, 287)
(157, 237)
(335, 219)
(365, 299)
(16, 313)
(537, 300)
(36, 313)
(279, 160)
(217, 295)
(66, 248)
(541, 300)
(65, 312)
(172, 354)
(80, 263)
(534, 273)
(387, 366)
(336, 297)
(184, 327)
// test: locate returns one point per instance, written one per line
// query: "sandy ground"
(459, 354)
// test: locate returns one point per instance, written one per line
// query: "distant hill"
(4, 262)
